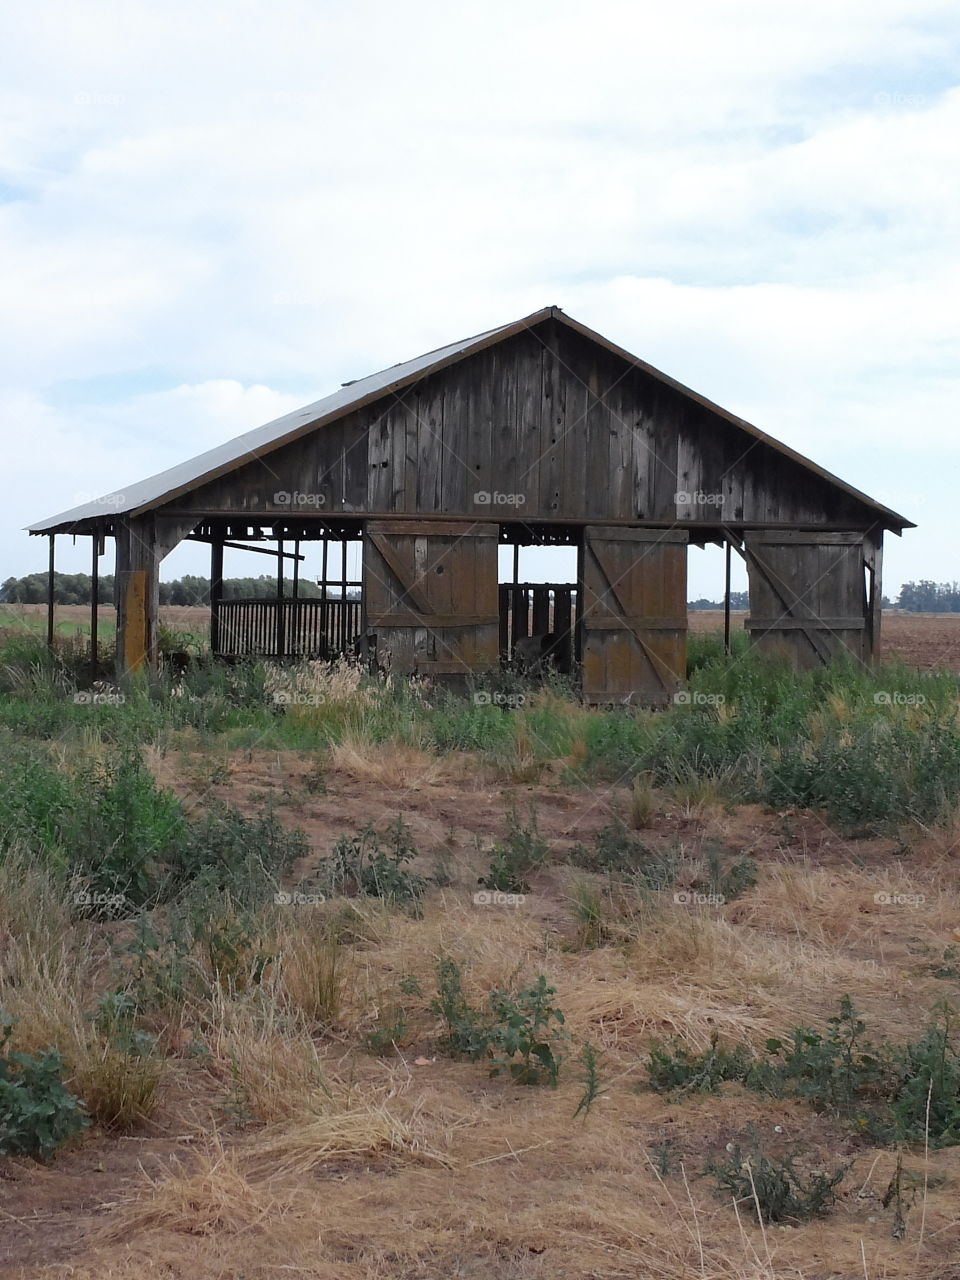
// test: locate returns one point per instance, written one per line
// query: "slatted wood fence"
(535, 608)
(288, 628)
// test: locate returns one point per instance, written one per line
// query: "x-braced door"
(430, 593)
(808, 595)
(633, 616)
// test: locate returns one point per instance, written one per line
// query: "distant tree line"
(77, 588)
(738, 600)
(930, 597)
(68, 588)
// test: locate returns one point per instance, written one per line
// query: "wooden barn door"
(807, 595)
(633, 616)
(430, 595)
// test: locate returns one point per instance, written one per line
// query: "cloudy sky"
(213, 213)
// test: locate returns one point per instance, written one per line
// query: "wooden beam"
(694, 528)
(135, 647)
(873, 558)
(137, 594)
(726, 599)
(240, 546)
(50, 573)
(216, 593)
(280, 618)
(94, 593)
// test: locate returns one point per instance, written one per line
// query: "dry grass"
(312, 967)
(312, 1158)
(119, 1089)
(519, 1193)
(266, 1061)
(396, 766)
(315, 683)
(643, 802)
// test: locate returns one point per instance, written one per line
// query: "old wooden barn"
(538, 433)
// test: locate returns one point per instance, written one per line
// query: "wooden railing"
(288, 628)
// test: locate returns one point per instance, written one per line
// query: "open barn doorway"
(538, 573)
(308, 606)
(717, 599)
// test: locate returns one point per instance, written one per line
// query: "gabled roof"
(155, 491)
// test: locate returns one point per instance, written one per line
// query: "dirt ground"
(493, 1181)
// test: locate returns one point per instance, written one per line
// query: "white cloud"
(255, 203)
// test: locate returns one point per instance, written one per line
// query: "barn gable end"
(549, 425)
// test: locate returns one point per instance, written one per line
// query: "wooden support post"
(216, 590)
(873, 558)
(94, 593)
(138, 594)
(50, 572)
(726, 599)
(280, 629)
(296, 569)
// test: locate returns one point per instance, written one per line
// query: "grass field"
(286, 930)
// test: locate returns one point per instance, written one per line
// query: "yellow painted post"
(135, 621)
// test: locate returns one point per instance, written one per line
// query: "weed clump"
(522, 851)
(374, 863)
(519, 1032)
(895, 1093)
(124, 844)
(774, 1186)
(37, 1111)
(614, 849)
(673, 1068)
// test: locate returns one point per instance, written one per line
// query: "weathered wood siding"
(547, 425)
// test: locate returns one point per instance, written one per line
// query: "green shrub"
(592, 1083)
(464, 1030)
(839, 1071)
(121, 831)
(614, 849)
(37, 1112)
(125, 844)
(227, 853)
(774, 1187)
(731, 880)
(519, 1032)
(161, 971)
(673, 1068)
(513, 858)
(524, 1033)
(374, 863)
(906, 1093)
(927, 1105)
